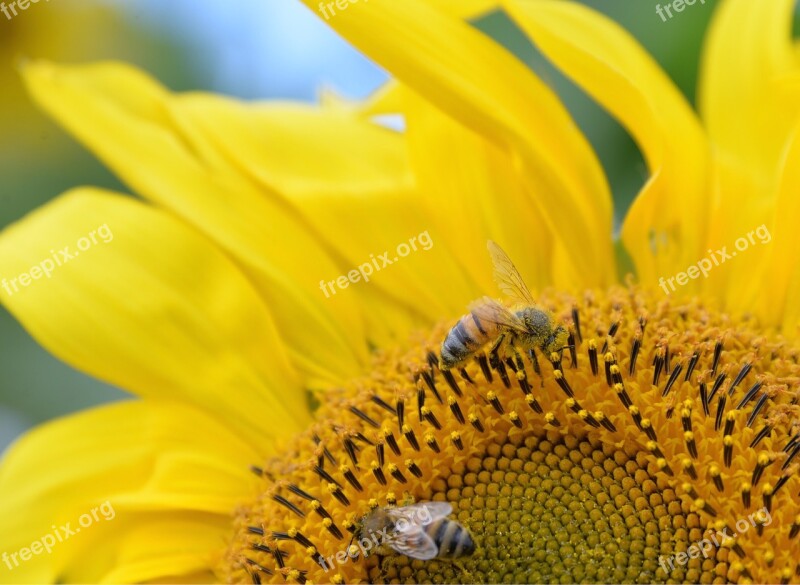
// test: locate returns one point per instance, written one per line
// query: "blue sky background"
(257, 48)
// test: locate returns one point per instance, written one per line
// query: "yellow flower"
(660, 447)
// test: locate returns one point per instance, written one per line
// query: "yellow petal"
(777, 280)
(125, 118)
(144, 302)
(360, 198)
(184, 547)
(129, 476)
(468, 8)
(749, 96)
(479, 196)
(473, 79)
(612, 67)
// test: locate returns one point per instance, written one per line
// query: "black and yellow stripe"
(451, 538)
(465, 338)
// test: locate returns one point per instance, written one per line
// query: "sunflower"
(286, 392)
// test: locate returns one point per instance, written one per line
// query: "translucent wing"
(488, 310)
(414, 543)
(409, 537)
(507, 276)
(426, 512)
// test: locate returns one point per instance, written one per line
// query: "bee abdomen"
(464, 339)
(451, 538)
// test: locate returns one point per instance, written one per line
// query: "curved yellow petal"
(118, 479)
(472, 78)
(664, 229)
(749, 95)
(479, 195)
(775, 283)
(126, 119)
(749, 98)
(361, 199)
(468, 8)
(144, 302)
(186, 546)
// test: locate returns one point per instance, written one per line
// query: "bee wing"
(414, 543)
(421, 512)
(409, 537)
(507, 276)
(490, 311)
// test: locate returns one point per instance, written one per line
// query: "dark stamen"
(383, 404)
(378, 473)
(325, 475)
(284, 502)
(413, 468)
(380, 452)
(672, 377)
(364, 417)
(692, 364)
(717, 353)
(397, 474)
(451, 381)
(658, 362)
(739, 377)
(576, 320)
(637, 344)
(455, 409)
(411, 437)
(750, 394)
(484, 364)
(756, 409)
(475, 422)
(351, 478)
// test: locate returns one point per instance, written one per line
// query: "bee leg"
(494, 359)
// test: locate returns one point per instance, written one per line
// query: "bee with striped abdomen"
(420, 531)
(488, 321)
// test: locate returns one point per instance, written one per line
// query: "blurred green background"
(250, 49)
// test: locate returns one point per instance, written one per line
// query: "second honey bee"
(490, 322)
(420, 531)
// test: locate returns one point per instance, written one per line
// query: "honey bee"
(420, 531)
(489, 321)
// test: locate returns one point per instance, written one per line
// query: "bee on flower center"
(528, 327)
(420, 531)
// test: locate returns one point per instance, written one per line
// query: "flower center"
(660, 447)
